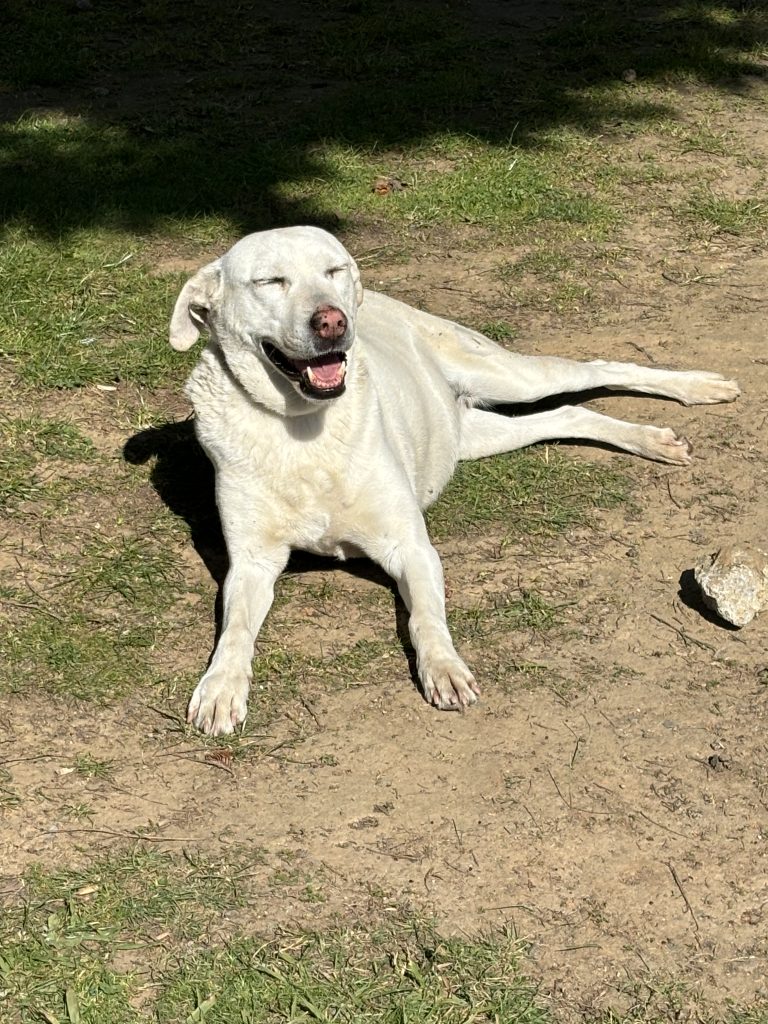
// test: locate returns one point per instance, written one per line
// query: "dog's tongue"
(324, 371)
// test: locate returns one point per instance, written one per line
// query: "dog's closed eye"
(260, 282)
(336, 270)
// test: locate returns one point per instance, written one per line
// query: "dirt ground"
(615, 811)
(616, 815)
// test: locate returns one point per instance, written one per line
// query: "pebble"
(734, 582)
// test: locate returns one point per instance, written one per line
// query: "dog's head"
(287, 298)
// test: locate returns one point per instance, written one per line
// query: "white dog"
(332, 424)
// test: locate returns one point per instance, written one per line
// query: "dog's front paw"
(448, 683)
(219, 703)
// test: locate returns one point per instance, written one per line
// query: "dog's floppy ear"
(356, 279)
(190, 314)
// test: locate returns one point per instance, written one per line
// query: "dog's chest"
(294, 487)
(309, 502)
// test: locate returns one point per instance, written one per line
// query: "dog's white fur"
(350, 475)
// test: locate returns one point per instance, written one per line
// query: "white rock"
(734, 582)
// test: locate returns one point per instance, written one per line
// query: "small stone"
(629, 76)
(367, 822)
(734, 582)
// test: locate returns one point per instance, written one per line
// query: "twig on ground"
(458, 835)
(658, 824)
(310, 711)
(685, 637)
(133, 834)
(559, 793)
(642, 351)
(672, 498)
(687, 902)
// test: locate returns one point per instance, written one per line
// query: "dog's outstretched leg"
(489, 374)
(489, 433)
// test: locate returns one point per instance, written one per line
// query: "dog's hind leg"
(489, 433)
(487, 374)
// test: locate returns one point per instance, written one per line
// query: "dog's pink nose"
(328, 323)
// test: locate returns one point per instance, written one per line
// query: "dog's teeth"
(318, 381)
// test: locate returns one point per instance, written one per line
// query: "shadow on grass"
(212, 109)
(184, 479)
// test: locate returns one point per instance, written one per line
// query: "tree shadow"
(198, 108)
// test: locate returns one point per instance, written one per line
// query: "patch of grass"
(529, 611)
(700, 40)
(497, 330)
(8, 795)
(86, 311)
(401, 972)
(59, 950)
(506, 188)
(571, 297)
(92, 768)
(138, 570)
(396, 82)
(532, 670)
(729, 216)
(557, 285)
(280, 676)
(79, 812)
(706, 139)
(73, 655)
(464, 181)
(534, 492)
(57, 55)
(17, 482)
(90, 945)
(52, 438)
(543, 262)
(299, 884)
(91, 624)
(24, 442)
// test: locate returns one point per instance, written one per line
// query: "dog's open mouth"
(321, 377)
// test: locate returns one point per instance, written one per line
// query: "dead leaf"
(383, 186)
(220, 756)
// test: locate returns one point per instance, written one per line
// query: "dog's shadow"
(184, 479)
